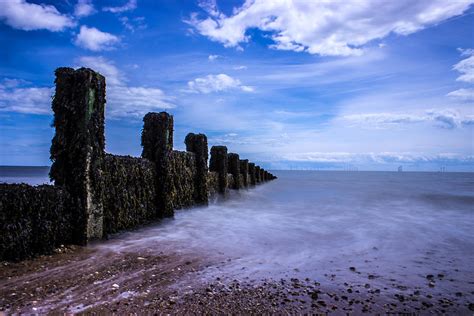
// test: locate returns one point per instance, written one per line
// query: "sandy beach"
(93, 281)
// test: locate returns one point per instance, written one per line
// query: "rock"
(352, 268)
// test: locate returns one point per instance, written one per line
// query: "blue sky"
(367, 84)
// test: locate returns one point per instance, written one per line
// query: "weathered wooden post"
(218, 163)
(197, 144)
(244, 171)
(252, 174)
(157, 143)
(77, 149)
(262, 175)
(257, 174)
(234, 169)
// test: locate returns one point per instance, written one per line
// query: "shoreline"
(93, 280)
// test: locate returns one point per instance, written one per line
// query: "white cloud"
(123, 100)
(128, 6)
(466, 68)
(213, 57)
(377, 119)
(137, 23)
(463, 94)
(22, 15)
(16, 98)
(217, 83)
(95, 40)
(323, 27)
(381, 157)
(84, 8)
(100, 64)
(445, 119)
(466, 51)
(240, 67)
(247, 88)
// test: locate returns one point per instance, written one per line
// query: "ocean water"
(29, 175)
(393, 228)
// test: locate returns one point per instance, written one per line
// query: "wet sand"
(90, 280)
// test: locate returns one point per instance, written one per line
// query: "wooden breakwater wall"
(95, 193)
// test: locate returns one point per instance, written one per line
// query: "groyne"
(95, 193)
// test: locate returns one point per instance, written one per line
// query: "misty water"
(393, 228)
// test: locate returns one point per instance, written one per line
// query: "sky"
(325, 85)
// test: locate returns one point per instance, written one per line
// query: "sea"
(394, 228)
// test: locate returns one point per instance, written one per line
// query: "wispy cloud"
(128, 6)
(445, 119)
(217, 83)
(324, 28)
(95, 40)
(462, 94)
(466, 68)
(381, 157)
(22, 15)
(241, 67)
(124, 101)
(16, 96)
(133, 24)
(213, 57)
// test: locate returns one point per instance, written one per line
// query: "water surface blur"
(392, 228)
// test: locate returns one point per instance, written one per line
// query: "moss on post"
(197, 144)
(77, 149)
(244, 171)
(258, 178)
(234, 169)
(218, 163)
(252, 174)
(157, 143)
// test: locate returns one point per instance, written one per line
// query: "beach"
(310, 242)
